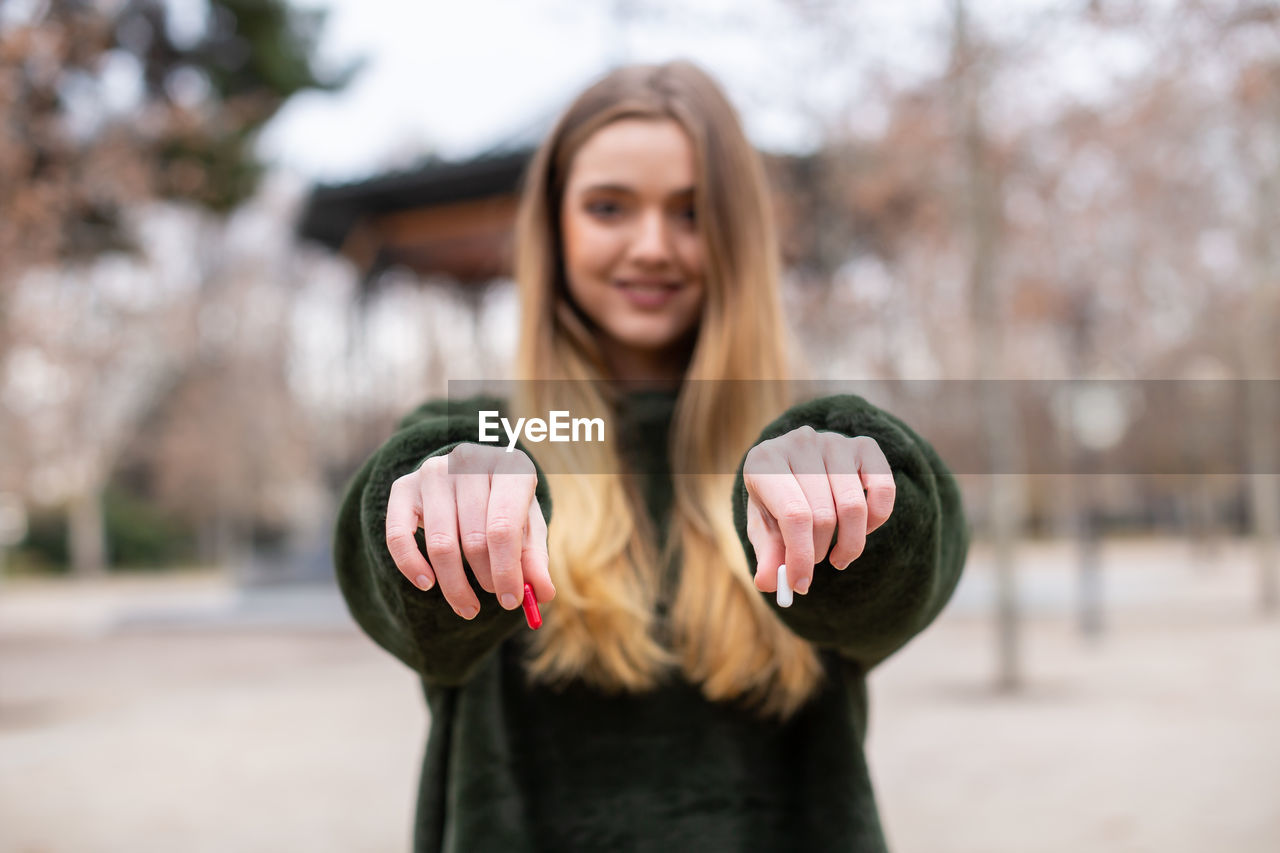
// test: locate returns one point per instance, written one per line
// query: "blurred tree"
(1256, 107)
(973, 63)
(1187, 210)
(108, 107)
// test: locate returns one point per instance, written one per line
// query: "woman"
(670, 701)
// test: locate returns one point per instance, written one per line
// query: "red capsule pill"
(531, 612)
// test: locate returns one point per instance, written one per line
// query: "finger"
(404, 510)
(533, 556)
(810, 469)
(514, 482)
(877, 482)
(440, 525)
(781, 496)
(841, 458)
(473, 510)
(766, 540)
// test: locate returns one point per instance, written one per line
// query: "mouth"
(648, 295)
(648, 285)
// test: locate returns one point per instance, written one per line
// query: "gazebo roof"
(455, 218)
(333, 211)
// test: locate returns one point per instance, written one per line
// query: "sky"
(452, 79)
(456, 78)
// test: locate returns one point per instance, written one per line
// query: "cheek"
(689, 247)
(583, 265)
(587, 248)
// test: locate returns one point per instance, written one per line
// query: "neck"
(647, 368)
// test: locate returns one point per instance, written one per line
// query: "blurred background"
(240, 238)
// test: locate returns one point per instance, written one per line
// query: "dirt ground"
(178, 713)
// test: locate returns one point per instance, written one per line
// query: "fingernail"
(509, 601)
(802, 586)
(469, 612)
(423, 582)
(842, 568)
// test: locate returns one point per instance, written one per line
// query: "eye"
(603, 209)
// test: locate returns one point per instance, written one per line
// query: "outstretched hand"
(804, 488)
(479, 503)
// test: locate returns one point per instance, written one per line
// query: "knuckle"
(853, 507)
(398, 532)
(441, 541)
(474, 541)
(870, 450)
(464, 458)
(797, 512)
(472, 459)
(502, 531)
(523, 464)
(833, 439)
(824, 517)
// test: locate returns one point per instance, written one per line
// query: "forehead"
(647, 155)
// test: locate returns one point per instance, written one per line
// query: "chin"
(653, 340)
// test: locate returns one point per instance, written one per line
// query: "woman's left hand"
(803, 487)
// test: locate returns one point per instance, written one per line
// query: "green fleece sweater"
(512, 767)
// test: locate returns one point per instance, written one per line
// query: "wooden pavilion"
(455, 218)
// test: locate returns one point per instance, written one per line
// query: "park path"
(179, 713)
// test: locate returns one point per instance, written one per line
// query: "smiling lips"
(643, 294)
(647, 284)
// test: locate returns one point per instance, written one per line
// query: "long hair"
(600, 628)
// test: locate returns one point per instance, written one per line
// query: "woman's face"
(632, 251)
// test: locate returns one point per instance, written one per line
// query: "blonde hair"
(601, 626)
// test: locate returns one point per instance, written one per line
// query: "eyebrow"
(622, 188)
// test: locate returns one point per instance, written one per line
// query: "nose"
(652, 242)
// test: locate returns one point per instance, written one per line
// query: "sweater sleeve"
(910, 565)
(419, 628)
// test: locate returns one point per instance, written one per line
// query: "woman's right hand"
(476, 502)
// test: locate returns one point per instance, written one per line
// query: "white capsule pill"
(784, 588)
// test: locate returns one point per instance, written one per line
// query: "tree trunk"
(1258, 341)
(1090, 552)
(1264, 503)
(982, 208)
(86, 534)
